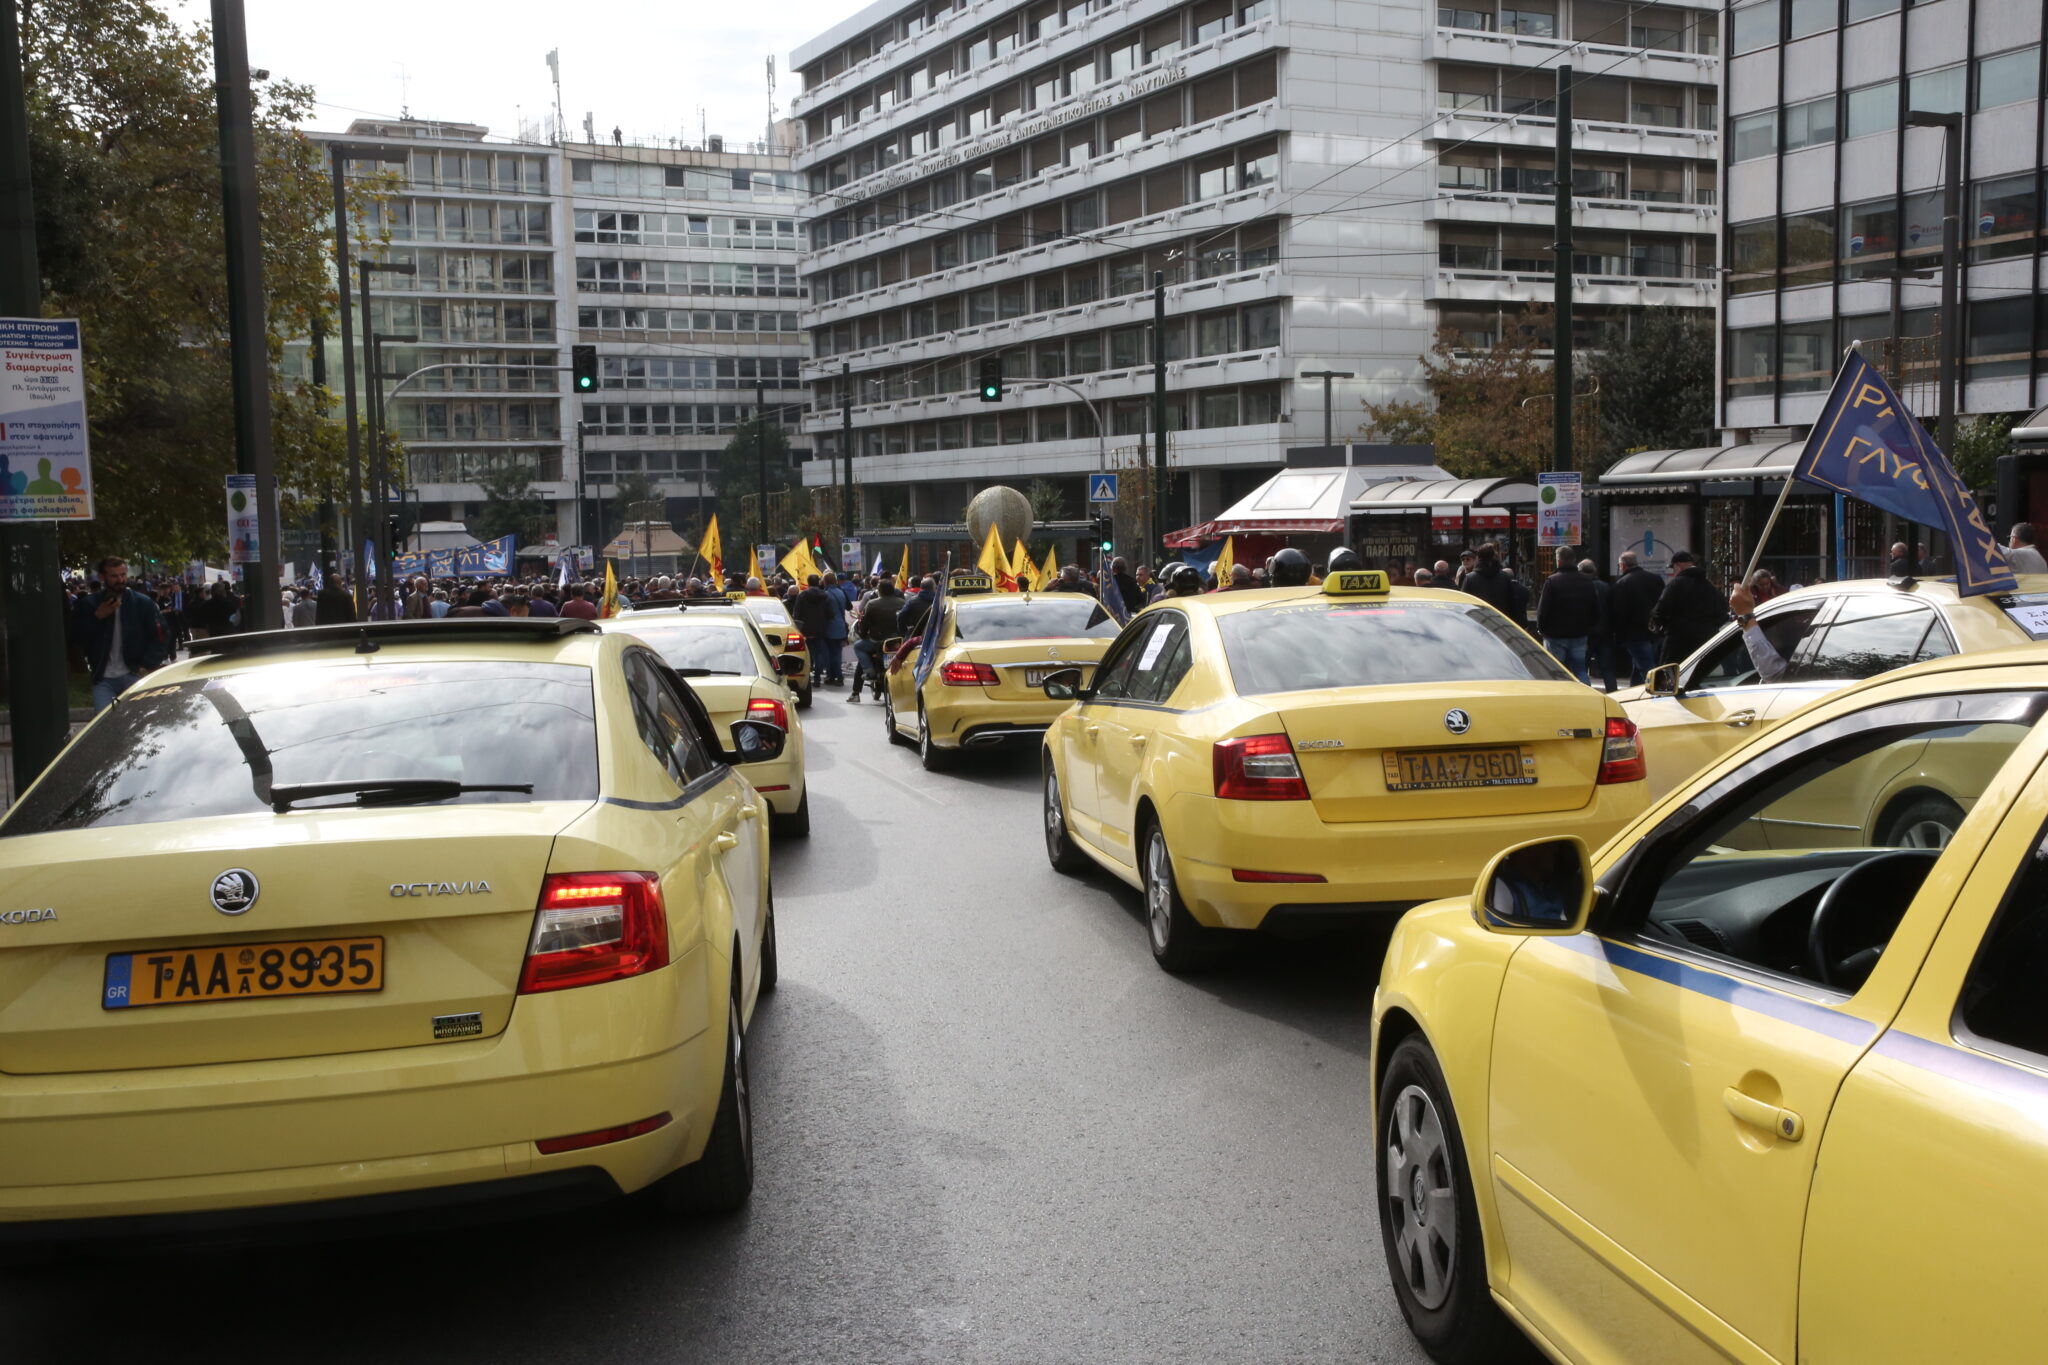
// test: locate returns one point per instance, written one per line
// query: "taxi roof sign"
(736, 597)
(970, 582)
(1356, 583)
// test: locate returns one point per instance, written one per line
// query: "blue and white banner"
(491, 557)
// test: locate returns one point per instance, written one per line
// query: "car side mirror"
(1064, 685)
(756, 741)
(1662, 681)
(789, 665)
(1540, 888)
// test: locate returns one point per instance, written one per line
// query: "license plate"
(243, 971)
(1504, 765)
(1035, 677)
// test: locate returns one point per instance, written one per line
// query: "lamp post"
(1326, 376)
(1951, 126)
(372, 367)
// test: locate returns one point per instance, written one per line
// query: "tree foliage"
(1979, 442)
(511, 505)
(122, 139)
(1477, 414)
(1656, 388)
(753, 442)
(1048, 501)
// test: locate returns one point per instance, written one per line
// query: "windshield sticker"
(2028, 611)
(1153, 648)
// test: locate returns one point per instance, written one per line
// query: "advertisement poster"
(1654, 531)
(849, 556)
(1558, 522)
(43, 449)
(244, 538)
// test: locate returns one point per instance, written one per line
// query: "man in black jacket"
(1629, 604)
(877, 624)
(334, 606)
(1566, 614)
(1600, 644)
(1491, 583)
(121, 633)
(1690, 610)
(813, 610)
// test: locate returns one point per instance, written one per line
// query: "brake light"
(592, 927)
(1258, 768)
(598, 1137)
(967, 675)
(793, 641)
(1621, 757)
(770, 710)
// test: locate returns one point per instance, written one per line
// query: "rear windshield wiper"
(388, 791)
(706, 673)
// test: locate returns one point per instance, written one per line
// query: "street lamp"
(1326, 376)
(372, 378)
(1951, 265)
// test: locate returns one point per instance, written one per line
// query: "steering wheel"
(1865, 903)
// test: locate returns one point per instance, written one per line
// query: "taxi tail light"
(598, 1137)
(793, 642)
(770, 710)
(592, 927)
(1258, 768)
(1621, 759)
(960, 674)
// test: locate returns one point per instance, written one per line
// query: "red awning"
(1194, 537)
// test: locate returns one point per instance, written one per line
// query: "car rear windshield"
(986, 622)
(1368, 644)
(692, 644)
(770, 615)
(217, 746)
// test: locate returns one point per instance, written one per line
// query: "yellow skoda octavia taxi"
(1281, 758)
(983, 685)
(1759, 1080)
(334, 924)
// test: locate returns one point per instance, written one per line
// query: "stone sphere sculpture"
(1003, 508)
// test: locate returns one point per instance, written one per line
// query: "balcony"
(1221, 291)
(1237, 447)
(1460, 284)
(1208, 215)
(1540, 210)
(1618, 62)
(1539, 132)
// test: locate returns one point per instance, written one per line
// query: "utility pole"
(33, 583)
(1951, 126)
(248, 337)
(1561, 341)
(761, 461)
(327, 512)
(1326, 376)
(353, 542)
(846, 467)
(1155, 520)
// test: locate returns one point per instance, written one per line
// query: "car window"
(1163, 660)
(1727, 662)
(218, 746)
(1746, 874)
(1041, 618)
(694, 744)
(1352, 643)
(1113, 676)
(714, 648)
(2002, 1003)
(662, 720)
(1873, 635)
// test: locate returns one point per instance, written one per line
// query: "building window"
(1753, 257)
(1873, 109)
(2008, 78)
(1810, 124)
(1749, 362)
(1753, 136)
(1216, 334)
(1938, 92)
(1756, 26)
(2000, 336)
(2005, 218)
(1811, 16)
(1261, 407)
(1870, 9)
(1809, 249)
(1807, 356)
(1219, 409)
(1530, 23)
(1449, 17)
(1261, 326)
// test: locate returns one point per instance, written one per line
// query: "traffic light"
(583, 365)
(1103, 535)
(991, 379)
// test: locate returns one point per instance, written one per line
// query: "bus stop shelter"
(1431, 519)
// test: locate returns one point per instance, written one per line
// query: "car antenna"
(364, 644)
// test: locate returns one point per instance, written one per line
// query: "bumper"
(780, 783)
(181, 1141)
(1376, 868)
(975, 721)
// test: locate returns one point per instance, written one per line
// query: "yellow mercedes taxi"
(1823, 638)
(1284, 758)
(982, 687)
(716, 650)
(783, 637)
(334, 925)
(1756, 1081)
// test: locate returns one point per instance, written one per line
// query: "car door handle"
(1776, 1121)
(1138, 741)
(750, 812)
(1739, 719)
(1091, 731)
(726, 842)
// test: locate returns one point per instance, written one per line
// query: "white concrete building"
(1322, 183)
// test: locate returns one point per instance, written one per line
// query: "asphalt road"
(988, 1127)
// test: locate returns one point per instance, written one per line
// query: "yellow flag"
(713, 552)
(754, 567)
(1226, 561)
(1048, 572)
(799, 563)
(903, 571)
(995, 563)
(608, 605)
(1023, 570)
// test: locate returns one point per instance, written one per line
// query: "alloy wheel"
(1055, 822)
(1422, 1198)
(1158, 889)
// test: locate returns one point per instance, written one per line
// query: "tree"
(1477, 416)
(629, 502)
(1979, 443)
(122, 140)
(511, 506)
(1656, 388)
(1048, 501)
(753, 442)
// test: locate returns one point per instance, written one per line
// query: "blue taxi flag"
(928, 644)
(1868, 445)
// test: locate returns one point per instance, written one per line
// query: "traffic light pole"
(1561, 340)
(846, 467)
(1155, 519)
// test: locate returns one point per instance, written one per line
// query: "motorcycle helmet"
(1185, 581)
(1342, 558)
(1288, 569)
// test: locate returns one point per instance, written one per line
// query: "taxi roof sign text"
(1356, 583)
(971, 582)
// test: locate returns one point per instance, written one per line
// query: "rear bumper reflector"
(1240, 874)
(598, 1137)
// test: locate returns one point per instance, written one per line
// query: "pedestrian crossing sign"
(1102, 487)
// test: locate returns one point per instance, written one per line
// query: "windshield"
(692, 644)
(1042, 619)
(1368, 644)
(217, 746)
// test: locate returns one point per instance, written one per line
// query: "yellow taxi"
(1284, 758)
(1820, 639)
(982, 684)
(717, 650)
(783, 636)
(329, 925)
(1753, 1082)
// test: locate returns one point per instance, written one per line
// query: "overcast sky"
(646, 68)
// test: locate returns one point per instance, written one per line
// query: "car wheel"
(889, 717)
(1179, 944)
(1429, 1221)
(721, 1179)
(803, 697)
(796, 824)
(929, 753)
(1926, 822)
(771, 964)
(1059, 845)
